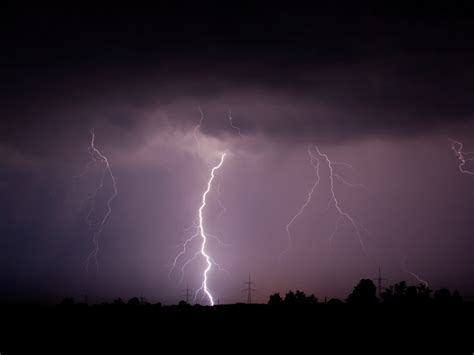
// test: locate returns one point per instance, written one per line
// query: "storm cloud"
(327, 75)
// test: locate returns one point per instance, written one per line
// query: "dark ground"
(321, 328)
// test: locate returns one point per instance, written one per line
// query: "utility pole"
(379, 280)
(187, 294)
(249, 289)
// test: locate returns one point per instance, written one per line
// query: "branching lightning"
(184, 249)
(197, 128)
(315, 164)
(237, 128)
(347, 183)
(415, 276)
(358, 228)
(204, 236)
(316, 157)
(463, 157)
(98, 158)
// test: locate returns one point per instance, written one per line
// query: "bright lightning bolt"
(204, 236)
(463, 156)
(98, 157)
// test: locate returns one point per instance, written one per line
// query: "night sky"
(382, 89)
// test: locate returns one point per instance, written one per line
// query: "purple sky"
(388, 107)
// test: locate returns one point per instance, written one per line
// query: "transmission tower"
(379, 280)
(249, 289)
(187, 293)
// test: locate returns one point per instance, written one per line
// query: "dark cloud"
(322, 74)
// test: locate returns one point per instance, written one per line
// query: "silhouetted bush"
(401, 294)
(364, 293)
(133, 302)
(292, 299)
(275, 300)
(335, 302)
(118, 302)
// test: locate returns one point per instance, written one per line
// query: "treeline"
(365, 293)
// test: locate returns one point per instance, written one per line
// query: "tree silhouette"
(364, 293)
(400, 291)
(424, 293)
(401, 294)
(335, 302)
(457, 299)
(293, 298)
(133, 302)
(442, 296)
(275, 300)
(290, 298)
(118, 302)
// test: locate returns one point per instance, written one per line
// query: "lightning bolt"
(233, 125)
(415, 276)
(315, 161)
(98, 158)
(315, 164)
(200, 232)
(197, 128)
(184, 249)
(358, 228)
(203, 234)
(462, 156)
